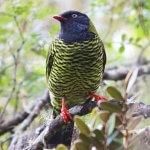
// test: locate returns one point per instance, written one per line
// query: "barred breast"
(77, 70)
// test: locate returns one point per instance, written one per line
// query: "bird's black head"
(74, 26)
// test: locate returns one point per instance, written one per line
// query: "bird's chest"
(76, 70)
(75, 61)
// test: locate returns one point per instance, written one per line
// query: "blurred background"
(27, 29)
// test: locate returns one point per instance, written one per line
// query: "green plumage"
(73, 70)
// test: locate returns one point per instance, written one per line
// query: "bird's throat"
(75, 37)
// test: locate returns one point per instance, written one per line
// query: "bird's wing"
(103, 52)
(104, 58)
(49, 60)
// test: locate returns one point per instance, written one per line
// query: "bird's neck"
(68, 37)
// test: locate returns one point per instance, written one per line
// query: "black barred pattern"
(74, 70)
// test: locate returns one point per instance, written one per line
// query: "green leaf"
(137, 39)
(82, 126)
(110, 125)
(112, 137)
(104, 116)
(130, 39)
(94, 117)
(80, 145)
(122, 48)
(99, 134)
(109, 44)
(123, 37)
(97, 143)
(110, 107)
(61, 147)
(114, 93)
(115, 145)
(132, 79)
(85, 138)
(118, 121)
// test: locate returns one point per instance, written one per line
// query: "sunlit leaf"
(123, 37)
(138, 39)
(110, 125)
(130, 39)
(132, 79)
(122, 48)
(94, 117)
(112, 137)
(104, 116)
(115, 93)
(128, 76)
(82, 126)
(110, 107)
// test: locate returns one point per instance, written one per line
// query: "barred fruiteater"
(75, 63)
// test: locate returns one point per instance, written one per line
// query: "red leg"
(64, 112)
(97, 97)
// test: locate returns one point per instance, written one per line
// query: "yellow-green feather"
(92, 28)
(74, 70)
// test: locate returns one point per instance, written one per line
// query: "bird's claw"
(66, 116)
(65, 113)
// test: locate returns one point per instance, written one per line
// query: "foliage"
(111, 125)
(117, 123)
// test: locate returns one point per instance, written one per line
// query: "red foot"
(64, 112)
(97, 97)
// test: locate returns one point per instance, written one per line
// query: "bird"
(75, 63)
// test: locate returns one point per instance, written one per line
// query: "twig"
(16, 59)
(140, 5)
(16, 21)
(35, 111)
(17, 95)
(2, 70)
(20, 32)
(7, 126)
(139, 59)
(120, 74)
(143, 110)
(27, 121)
(110, 24)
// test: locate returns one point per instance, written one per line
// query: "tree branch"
(80, 110)
(58, 123)
(25, 115)
(120, 74)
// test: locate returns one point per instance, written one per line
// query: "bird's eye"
(74, 16)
